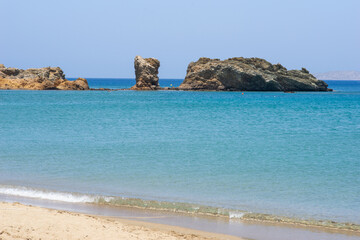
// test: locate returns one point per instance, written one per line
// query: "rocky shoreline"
(233, 74)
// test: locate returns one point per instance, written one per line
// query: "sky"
(89, 38)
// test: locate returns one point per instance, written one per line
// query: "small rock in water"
(146, 71)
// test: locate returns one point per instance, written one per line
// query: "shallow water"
(244, 229)
(294, 155)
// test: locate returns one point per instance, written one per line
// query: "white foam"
(47, 195)
(237, 215)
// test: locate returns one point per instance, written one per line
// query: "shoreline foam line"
(177, 207)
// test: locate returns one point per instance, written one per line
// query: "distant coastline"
(338, 75)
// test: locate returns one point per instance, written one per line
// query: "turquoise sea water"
(295, 155)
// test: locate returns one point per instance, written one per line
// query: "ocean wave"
(165, 206)
(46, 195)
(180, 207)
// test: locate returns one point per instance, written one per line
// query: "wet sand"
(18, 221)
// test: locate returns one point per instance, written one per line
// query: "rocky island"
(48, 78)
(248, 74)
(146, 73)
(233, 74)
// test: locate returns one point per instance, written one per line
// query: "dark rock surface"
(49, 78)
(248, 74)
(146, 72)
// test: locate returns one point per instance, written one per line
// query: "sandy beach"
(18, 221)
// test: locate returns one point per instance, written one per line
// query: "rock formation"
(146, 72)
(247, 74)
(78, 84)
(49, 78)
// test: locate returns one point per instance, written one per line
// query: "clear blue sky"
(101, 38)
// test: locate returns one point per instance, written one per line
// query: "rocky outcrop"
(49, 78)
(78, 84)
(146, 72)
(248, 74)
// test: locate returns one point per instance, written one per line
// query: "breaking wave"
(188, 208)
(47, 195)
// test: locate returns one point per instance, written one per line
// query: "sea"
(295, 155)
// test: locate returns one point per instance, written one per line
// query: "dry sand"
(18, 221)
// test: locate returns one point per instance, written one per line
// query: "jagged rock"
(78, 84)
(49, 78)
(247, 74)
(146, 72)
